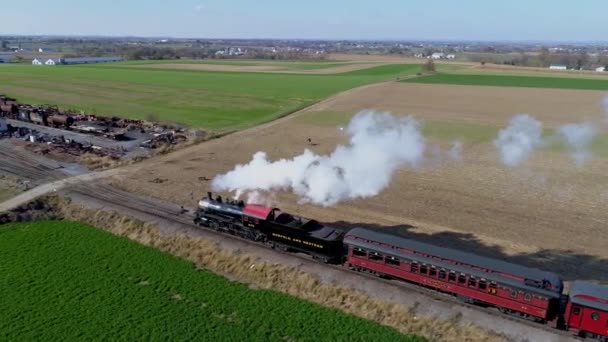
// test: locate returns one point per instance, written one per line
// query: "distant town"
(80, 50)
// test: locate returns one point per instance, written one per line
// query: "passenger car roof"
(431, 254)
(589, 294)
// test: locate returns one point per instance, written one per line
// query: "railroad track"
(171, 212)
(19, 164)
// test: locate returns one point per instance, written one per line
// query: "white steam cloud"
(578, 138)
(456, 150)
(517, 141)
(380, 144)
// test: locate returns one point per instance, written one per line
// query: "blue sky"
(329, 19)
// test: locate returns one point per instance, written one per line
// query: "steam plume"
(578, 138)
(517, 141)
(380, 143)
(456, 150)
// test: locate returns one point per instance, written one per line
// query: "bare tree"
(429, 66)
(544, 57)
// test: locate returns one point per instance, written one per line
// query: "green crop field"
(513, 81)
(212, 100)
(67, 281)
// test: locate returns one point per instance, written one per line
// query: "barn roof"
(91, 59)
(507, 272)
(589, 294)
(258, 211)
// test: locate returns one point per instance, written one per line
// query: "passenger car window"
(527, 297)
(472, 282)
(375, 256)
(392, 261)
(514, 293)
(359, 252)
(576, 311)
(595, 316)
(423, 269)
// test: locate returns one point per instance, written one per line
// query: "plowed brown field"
(547, 213)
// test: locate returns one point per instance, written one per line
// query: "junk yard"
(44, 129)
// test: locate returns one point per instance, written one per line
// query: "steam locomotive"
(513, 289)
(271, 226)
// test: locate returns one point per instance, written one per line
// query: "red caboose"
(587, 310)
(512, 288)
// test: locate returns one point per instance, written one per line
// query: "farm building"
(438, 55)
(558, 67)
(6, 59)
(450, 56)
(600, 69)
(53, 61)
(79, 60)
(3, 125)
(90, 60)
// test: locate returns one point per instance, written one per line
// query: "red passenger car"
(512, 288)
(587, 310)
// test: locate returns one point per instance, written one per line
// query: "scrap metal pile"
(146, 134)
(115, 128)
(45, 143)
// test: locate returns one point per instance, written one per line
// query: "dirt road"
(54, 186)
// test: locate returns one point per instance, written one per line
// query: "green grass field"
(212, 100)
(513, 81)
(66, 281)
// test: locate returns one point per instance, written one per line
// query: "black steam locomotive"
(271, 226)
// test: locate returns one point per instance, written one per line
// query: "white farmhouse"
(437, 55)
(557, 67)
(450, 56)
(600, 69)
(36, 62)
(53, 61)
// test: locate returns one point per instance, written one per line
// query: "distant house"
(53, 61)
(558, 67)
(438, 55)
(450, 56)
(36, 61)
(600, 69)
